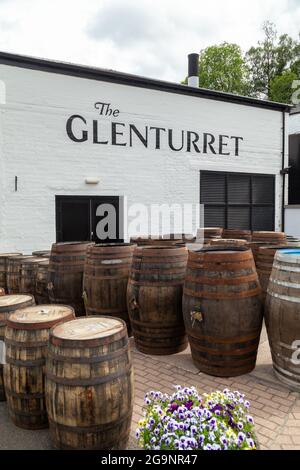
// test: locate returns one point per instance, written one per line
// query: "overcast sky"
(145, 37)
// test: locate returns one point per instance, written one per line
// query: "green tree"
(269, 59)
(281, 87)
(222, 67)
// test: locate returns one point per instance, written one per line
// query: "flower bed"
(187, 421)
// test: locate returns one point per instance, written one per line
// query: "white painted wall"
(292, 220)
(294, 123)
(36, 148)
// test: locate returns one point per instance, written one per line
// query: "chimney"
(193, 77)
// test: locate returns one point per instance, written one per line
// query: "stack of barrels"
(74, 375)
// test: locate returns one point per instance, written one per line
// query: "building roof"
(112, 76)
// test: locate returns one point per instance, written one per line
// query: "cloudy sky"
(146, 37)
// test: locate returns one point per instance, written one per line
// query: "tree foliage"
(266, 70)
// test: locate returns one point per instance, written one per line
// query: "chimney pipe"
(193, 78)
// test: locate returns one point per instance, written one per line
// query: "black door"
(88, 218)
(294, 173)
(237, 200)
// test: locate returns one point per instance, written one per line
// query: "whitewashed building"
(72, 137)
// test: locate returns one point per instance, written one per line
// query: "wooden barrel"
(41, 282)
(228, 242)
(2, 291)
(269, 237)
(238, 234)
(3, 267)
(264, 264)
(42, 254)
(282, 316)
(89, 384)
(105, 279)
(8, 304)
(13, 275)
(26, 341)
(28, 275)
(66, 274)
(223, 310)
(207, 234)
(154, 299)
(256, 246)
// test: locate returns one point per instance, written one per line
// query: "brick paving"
(275, 408)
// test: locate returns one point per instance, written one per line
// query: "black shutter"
(238, 200)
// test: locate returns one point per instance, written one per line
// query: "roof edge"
(94, 73)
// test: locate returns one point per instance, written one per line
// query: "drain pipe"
(193, 77)
(283, 172)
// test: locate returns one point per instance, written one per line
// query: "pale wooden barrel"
(26, 341)
(282, 315)
(8, 304)
(89, 384)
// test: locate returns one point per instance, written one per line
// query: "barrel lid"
(88, 328)
(291, 255)
(40, 314)
(10, 300)
(44, 261)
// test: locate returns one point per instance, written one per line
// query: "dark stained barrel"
(222, 310)
(3, 267)
(13, 275)
(207, 234)
(264, 263)
(89, 384)
(41, 282)
(8, 304)
(238, 234)
(66, 274)
(28, 271)
(154, 299)
(26, 341)
(105, 279)
(282, 316)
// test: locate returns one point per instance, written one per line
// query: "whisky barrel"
(41, 282)
(89, 384)
(3, 267)
(238, 234)
(269, 237)
(42, 254)
(66, 274)
(8, 304)
(26, 341)
(154, 299)
(206, 234)
(227, 242)
(28, 268)
(13, 274)
(282, 316)
(105, 279)
(264, 264)
(222, 310)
